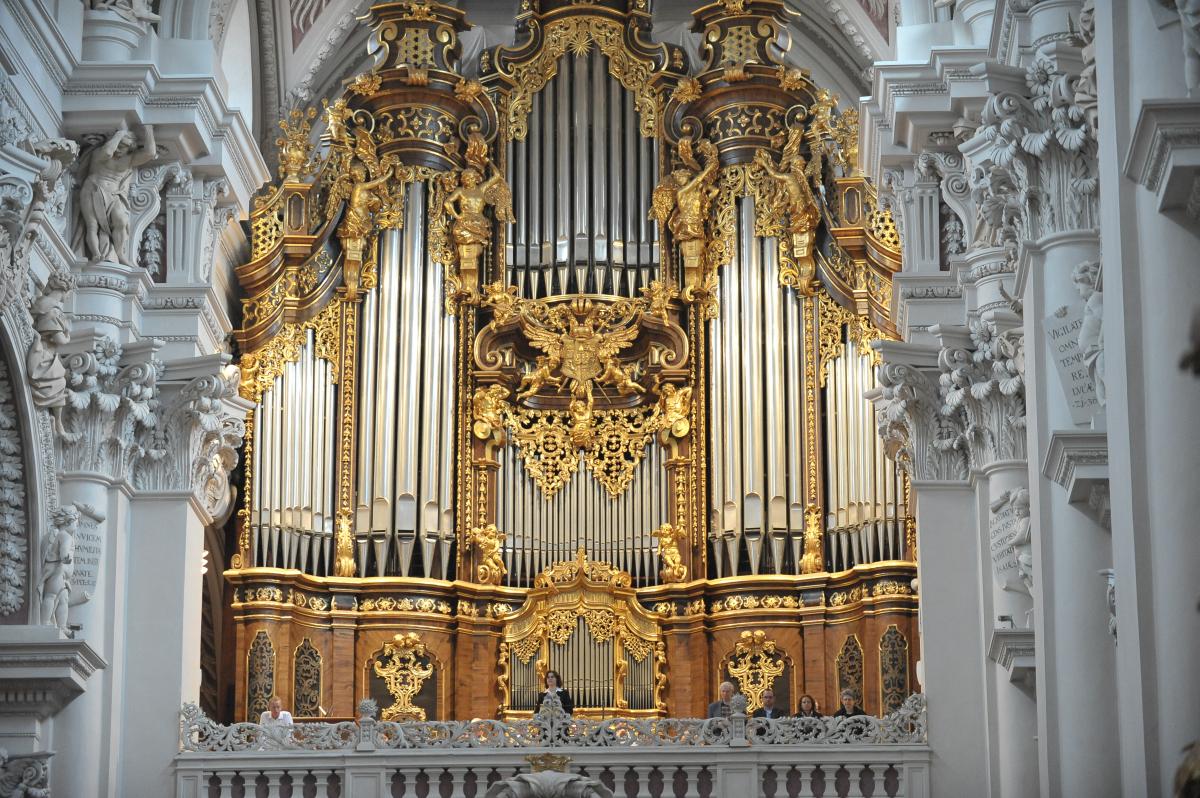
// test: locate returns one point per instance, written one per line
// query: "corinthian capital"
(194, 447)
(928, 442)
(983, 387)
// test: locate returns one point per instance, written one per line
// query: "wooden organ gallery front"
(564, 367)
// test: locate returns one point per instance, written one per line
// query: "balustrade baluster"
(226, 777)
(273, 779)
(642, 776)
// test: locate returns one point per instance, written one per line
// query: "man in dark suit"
(768, 709)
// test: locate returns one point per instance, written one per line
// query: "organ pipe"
(865, 520)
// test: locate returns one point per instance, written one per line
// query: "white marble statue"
(47, 375)
(1023, 537)
(58, 566)
(104, 196)
(997, 209)
(132, 10)
(1088, 281)
(548, 784)
(1189, 20)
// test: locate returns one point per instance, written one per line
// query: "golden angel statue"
(489, 564)
(800, 204)
(681, 203)
(471, 229)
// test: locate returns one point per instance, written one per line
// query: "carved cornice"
(1078, 461)
(1164, 151)
(43, 672)
(1013, 650)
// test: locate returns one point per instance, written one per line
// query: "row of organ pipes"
(541, 531)
(404, 519)
(756, 360)
(581, 182)
(865, 511)
(294, 466)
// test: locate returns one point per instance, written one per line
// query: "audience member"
(768, 709)
(275, 715)
(849, 709)
(808, 707)
(720, 708)
(554, 685)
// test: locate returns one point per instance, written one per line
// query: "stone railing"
(658, 758)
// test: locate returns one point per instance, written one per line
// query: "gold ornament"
(404, 675)
(488, 407)
(295, 150)
(681, 205)
(488, 539)
(797, 202)
(470, 228)
(755, 664)
(669, 538)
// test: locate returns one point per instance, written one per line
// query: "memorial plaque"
(1062, 335)
(1002, 528)
(89, 549)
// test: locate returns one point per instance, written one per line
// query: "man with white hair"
(721, 707)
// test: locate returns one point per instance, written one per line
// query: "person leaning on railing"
(275, 714)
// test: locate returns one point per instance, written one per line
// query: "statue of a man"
(58, 566)
(104, 196)
(132, 10)
(47, 375)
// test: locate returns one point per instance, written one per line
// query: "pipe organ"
(563, 367)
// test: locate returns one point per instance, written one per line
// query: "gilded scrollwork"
(756, 664)
(405, 666)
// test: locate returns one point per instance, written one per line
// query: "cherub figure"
(791, 177)
(542, 374)
(669, 538)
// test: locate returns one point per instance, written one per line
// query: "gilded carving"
(465, 205)
(669, 537)
(488, 540)
(756, 664)
(406, 671)
(893, 669)
(681, 205)
(796, 202)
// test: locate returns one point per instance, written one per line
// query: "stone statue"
(132, 10)
(47, 375)
(58, 566)
(1189, 21)
(1088, 278)
(104, 195)
(997, 209)
(1023, 537)
(471, 229)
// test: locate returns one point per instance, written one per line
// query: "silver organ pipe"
(541, 531)
(756, 417)
(866, 512)
(595, 236)
(295, 466)
(404, 515)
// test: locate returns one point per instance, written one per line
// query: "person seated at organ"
(808, 707)
(768, 709)
(275, 714)
(554, 685)
(721, 708)
(849, 709)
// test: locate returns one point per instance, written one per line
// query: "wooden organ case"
(563, 365)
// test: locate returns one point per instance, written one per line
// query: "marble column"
(163, 608)
(1076, 684)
